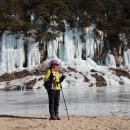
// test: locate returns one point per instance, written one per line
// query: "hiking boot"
(53, 117)
(57, 117)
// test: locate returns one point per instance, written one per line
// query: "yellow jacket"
(55, 81)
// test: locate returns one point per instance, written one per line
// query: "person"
(54, 78)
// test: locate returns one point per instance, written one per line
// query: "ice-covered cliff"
(18, 52)
(13, 53)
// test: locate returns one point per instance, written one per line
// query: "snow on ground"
(22, 83)
(79, 73)
(78, 69)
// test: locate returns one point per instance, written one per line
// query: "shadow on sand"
(22, 117)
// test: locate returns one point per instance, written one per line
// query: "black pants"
(54, 97)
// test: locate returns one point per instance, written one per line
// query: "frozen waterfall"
(70, 46)
(110, 60)
(16, 49)
(12, 53)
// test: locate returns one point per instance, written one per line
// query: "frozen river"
(80, 101)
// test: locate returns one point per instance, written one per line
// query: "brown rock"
(30, 84)
(120, 72)
(86, 79)
(100, 81)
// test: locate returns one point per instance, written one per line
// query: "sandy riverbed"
(41, 122)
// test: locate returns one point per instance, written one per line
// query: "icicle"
(89, 42)
(19, 53)
(69, 45)
(128, 55)
(55, 48)
(126, 59)
(78, 46)
(52, 48)
(33, 54)
(7, 50)
(110, 60)
(61, 47)
(49, 49)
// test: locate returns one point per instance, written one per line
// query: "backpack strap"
(50, 75)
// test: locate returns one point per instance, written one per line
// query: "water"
(80, 101)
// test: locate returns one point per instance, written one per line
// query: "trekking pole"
(65, 104)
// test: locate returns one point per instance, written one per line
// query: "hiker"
(53, 86)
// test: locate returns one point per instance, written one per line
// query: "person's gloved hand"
(52, 78)
(62, 78)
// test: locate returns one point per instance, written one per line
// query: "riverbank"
(40, 122)
(78, 73)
